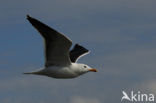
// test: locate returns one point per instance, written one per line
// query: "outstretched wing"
(56, 44)
(77, 52)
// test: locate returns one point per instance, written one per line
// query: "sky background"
(121, 35)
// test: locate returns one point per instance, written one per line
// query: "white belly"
(59, 72)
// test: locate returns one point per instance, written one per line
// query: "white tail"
(40, 72)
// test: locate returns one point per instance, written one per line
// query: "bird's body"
(60, 61)
(70, 71)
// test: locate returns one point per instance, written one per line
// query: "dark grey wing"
(56, 44)
(77, 52)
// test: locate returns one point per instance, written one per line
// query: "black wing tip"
(28, 17)
(81, 47)
(77, 44)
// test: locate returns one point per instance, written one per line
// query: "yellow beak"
(93, 70)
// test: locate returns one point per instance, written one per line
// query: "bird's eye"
(85, 66)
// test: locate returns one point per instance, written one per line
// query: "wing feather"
(77, 52)
(56, 44)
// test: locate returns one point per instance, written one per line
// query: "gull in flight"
(60, 62)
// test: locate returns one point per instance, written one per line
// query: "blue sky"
(119, 33)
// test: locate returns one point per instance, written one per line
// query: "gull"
(60, 62)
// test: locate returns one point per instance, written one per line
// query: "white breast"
(60, 72)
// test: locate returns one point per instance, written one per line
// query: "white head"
(83, 68)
